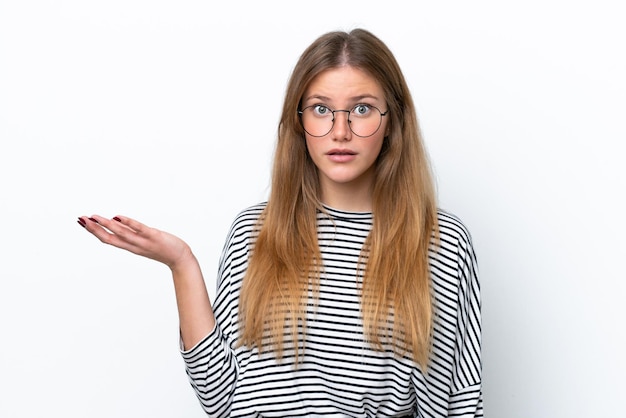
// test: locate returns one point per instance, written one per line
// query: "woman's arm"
(194, 308)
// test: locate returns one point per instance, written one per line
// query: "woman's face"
(345, 161)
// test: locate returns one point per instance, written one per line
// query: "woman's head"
(360, 50)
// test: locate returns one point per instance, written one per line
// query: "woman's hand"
(194, 307)
(133, 236)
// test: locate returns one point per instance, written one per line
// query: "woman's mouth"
(341, 155)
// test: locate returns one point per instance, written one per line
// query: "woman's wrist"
(186, 262)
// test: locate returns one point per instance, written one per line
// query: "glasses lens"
(317, 120)
(365, 120)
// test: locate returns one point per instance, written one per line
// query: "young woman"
(348, 293)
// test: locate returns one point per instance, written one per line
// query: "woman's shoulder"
(451, 227)
(253, 211)
(452, 256)
(246, 219)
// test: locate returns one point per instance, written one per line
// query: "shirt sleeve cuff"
(210, 339)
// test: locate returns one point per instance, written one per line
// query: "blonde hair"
(285, 255)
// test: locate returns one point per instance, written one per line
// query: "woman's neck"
(347, 197)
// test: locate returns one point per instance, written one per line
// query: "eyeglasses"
(363, 119)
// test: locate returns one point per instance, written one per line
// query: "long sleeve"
(466, 392)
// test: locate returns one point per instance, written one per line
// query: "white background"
(167, 112)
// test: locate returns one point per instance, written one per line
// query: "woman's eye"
(361, 109)
(321, 110)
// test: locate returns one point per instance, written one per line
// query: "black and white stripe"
(340, 375)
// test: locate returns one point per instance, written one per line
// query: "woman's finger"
(95, 227)
(109, 232)
(130, 223)
(114, 224)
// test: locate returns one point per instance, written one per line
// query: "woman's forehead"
(343, 84)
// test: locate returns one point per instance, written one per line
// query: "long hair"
(286, 261)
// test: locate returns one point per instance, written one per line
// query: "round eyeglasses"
(363, 119)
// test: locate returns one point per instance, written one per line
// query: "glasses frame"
(348, 111)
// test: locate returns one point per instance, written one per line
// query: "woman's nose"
(341, 126)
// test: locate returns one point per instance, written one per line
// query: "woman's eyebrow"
(364, 96)
(318, 97)
(351, 99)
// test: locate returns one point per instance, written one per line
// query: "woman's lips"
(341, 155)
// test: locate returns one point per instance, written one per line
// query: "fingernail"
(117, 219)
(81, 222)
(94, 220)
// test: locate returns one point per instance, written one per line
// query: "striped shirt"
(339, 374)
